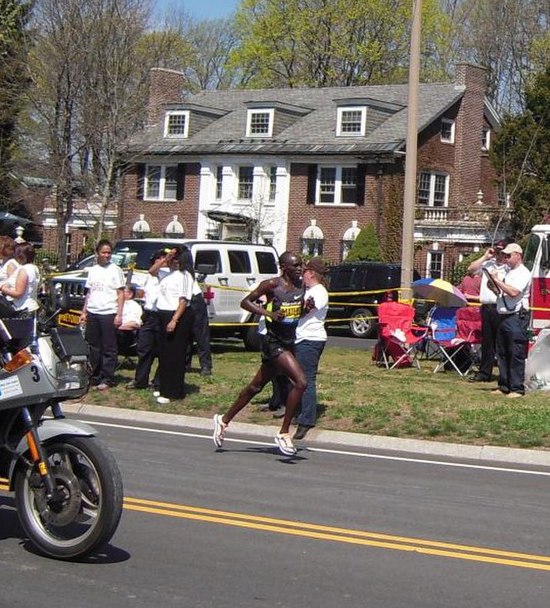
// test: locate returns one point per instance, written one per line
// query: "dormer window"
(447, 131)
(176, 124)
(351, 121)
(259, 123)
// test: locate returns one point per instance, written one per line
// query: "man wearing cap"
(493, 260)
(513, 309)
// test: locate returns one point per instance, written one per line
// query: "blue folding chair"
(442, 337)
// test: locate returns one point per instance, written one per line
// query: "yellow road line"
(335, 534)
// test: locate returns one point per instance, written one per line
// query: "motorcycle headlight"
(72, 376)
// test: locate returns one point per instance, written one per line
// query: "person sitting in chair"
(131, 322)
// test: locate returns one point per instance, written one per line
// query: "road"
(246, 527)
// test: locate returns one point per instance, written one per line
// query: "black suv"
(376, 280)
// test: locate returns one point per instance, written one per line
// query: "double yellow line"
(341, 535)
(335, 534)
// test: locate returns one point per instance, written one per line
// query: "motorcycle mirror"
(63, 302)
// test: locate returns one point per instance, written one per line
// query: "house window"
(485, 139)
(433, 189)
(351, 121)
(219, 182)
(435, 264)
(160, 182)
(259, 123)
(272, 183)
(447, 131)
(337, 185)
(246, 182)
(176, 124)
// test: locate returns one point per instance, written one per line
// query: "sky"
(200, 9)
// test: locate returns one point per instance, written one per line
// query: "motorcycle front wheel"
(87, 509)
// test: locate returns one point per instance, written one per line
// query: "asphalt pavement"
(318, 437)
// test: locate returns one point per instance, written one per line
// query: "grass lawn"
(356, 395)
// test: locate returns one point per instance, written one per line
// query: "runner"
(284, 296)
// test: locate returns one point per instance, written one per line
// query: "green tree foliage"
(366, 246)
(521, 154)
(290, 43)
(13, 45)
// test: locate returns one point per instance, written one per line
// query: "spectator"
(311, 338)
(175, 291)
(132, 312)
(513, 309)
(200, 329)
(102, 315)
(21, 287)
(147, 347)
(493, 260)
(285, 304)
(8, 263)
(470, 286)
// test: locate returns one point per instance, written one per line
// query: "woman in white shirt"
(21, 287)
(102, 314)
(8, 263)
(311, 338)
(174, 295)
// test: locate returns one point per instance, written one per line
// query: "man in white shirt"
(513, 309)
(493, 260)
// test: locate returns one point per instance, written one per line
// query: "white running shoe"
(285, 445)
(219, 430)
(156, 393)
(163, 400)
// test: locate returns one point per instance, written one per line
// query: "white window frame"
(485, 139)
(167, 117)
(162, 183)
(363, 123)
(338, 187)
(451, 138)
(270, 112)
(430, 260)
(433, 175)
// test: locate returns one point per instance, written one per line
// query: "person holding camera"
(512, 333)
(493, 260)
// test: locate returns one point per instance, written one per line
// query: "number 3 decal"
(35, 375)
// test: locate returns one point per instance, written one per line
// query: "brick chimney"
(165, 86)
(469, 126)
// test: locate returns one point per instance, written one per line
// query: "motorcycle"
(67, 485)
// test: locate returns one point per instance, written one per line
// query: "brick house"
(305, 169)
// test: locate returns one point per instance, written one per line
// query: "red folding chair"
(398, 336)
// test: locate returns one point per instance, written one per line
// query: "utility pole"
(407, 247)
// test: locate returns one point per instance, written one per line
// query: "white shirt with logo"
(520, 278)
(103, 283)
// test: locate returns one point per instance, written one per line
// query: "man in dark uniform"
(284, 296)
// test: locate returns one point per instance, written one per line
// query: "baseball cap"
(500, 244)
(512, 248)
(317, 265)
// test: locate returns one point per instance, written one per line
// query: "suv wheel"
(362, 323)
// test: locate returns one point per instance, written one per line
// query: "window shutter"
(361, 175)
(180, 177)
(140, 181)
(311, 184)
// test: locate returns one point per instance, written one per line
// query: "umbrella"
(441, 292)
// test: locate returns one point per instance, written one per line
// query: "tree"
(290, 43)
(365, 246)
(13, 46)
(520, 154)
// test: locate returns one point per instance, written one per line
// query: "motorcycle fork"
(38, 456)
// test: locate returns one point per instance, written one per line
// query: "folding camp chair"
(453, 331)
(398, 336)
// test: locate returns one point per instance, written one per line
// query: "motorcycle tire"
(87, 517)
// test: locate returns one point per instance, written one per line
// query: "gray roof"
(312, 130)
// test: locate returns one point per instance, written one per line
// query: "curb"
(341, 439)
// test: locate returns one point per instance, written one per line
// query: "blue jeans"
(308, 353)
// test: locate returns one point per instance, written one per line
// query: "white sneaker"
(219, 431)
(156, 393)
(285, 445)
(163, 400)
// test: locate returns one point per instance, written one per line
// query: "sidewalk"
(316, 438)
